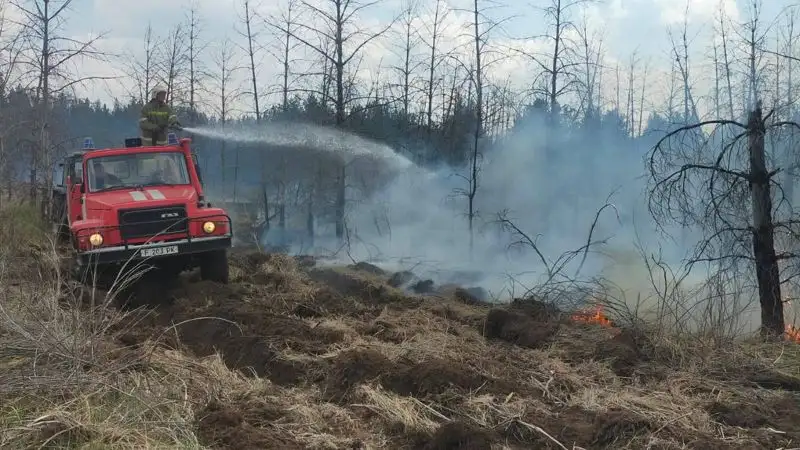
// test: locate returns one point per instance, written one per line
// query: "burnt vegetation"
(296, 352)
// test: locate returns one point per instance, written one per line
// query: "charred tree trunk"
(266, 212)
(473, 181)
(340, 118)
(766, 261)
(310, 223)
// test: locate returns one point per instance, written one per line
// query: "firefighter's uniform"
(155, 118)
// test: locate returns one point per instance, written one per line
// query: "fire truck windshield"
(133, 170)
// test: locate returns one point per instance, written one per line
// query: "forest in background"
(441, 107)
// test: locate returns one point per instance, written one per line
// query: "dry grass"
(367, 367)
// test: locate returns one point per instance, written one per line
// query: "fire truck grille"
(139, 223)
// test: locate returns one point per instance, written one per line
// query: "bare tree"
(433, 34)
(286, 24)
(482, 27)
(754, 37)
(174, 59)
(680, 53)
(715, 192)
(559, 63)
(53, 59)
(591, 47)
(630, 115)
(195, 49)
(253, 50)
(726, 60)
(408, 43)
(142, 68)
(337, 18)
(11, 119)
(789, 35)
(225, 71)
(480, 42)
(642, 96)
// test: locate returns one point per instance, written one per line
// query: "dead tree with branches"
(481, 59)
(142, 68)
(407, 43)
(431, 40)
(253, 49)
(336, 20)
(226, 67)
(174, 59)
(11, 119)
(728, 195)
(590, 57)
(558, 63)
(285, 23)
(194, 51)
(680, 53)
(53, 59)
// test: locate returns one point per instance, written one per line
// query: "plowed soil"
(352, 362)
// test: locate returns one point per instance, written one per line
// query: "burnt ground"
(300, 356)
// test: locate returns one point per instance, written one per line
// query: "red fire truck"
(120, 207)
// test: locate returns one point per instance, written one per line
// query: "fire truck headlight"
(209, 227)
(96, 240)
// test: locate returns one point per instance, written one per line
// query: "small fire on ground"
(592, 315)
(792, 333)
(595, 315)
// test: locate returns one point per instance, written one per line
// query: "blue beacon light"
(88, 143)
(172, 139)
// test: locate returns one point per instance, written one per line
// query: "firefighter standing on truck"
(156, 118)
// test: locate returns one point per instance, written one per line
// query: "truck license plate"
(159, 251)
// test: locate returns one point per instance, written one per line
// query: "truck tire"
(214, 266)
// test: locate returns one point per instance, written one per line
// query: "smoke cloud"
(418, 220)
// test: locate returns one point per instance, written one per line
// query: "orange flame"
(593, 315)
(792, 333)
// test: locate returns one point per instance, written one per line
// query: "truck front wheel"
(214, 266)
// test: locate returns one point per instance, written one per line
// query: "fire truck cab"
(119, 207)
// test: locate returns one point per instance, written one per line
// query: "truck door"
(75, 196)
(59, 194)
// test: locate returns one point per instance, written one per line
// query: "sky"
(628, 25)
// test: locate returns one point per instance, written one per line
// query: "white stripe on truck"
(138, 196)
(157, 195)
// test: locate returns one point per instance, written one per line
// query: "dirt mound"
(242, 427)
(461, 435)
(623, 352)
(399, 279)
(251, 262)
(363, 287)
(368, 268)
(518, 328)
(432, 378)
(351, 368)
(781, 414)
(207, 318)
(536, 309)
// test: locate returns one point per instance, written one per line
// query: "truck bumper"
(155, 251)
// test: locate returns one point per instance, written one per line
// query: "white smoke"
(418, 222)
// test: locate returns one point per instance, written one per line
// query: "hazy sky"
(628, 24)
